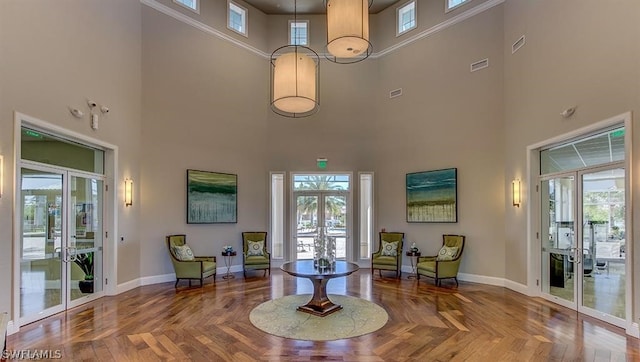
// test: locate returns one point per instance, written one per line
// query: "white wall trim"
(157, 279)
(127, 286)
(634, 330)
(440, 27)
(13, 328)
(201, 26)
(482, 279)
(170, 277)
(154, 4)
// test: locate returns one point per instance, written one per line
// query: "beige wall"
(577, 53)
(430, 14)
(205, 104)
(447, 117)
(213, 13)
(54, 55)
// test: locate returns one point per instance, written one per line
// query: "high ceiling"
(308, 6)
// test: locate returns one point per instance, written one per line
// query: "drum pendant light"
(348, 30)
(294, 80)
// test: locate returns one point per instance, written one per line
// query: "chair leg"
(176, 285)
(456, 279)
(437, 281)
(201, 282)
(189, 282)
(265, 273)
(380, 272)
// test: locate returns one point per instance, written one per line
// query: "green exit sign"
(322, 163)
(618, 133)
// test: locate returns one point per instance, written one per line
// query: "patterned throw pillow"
(183, 252)
(389, 248)
(447, 253)
(254, 248)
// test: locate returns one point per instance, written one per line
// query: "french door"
(320, 209)
(61, 239)
(583, 259)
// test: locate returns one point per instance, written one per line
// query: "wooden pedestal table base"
(319, 305)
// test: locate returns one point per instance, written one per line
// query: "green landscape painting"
(432, 196)
(211, 197)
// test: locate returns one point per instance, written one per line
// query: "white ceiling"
(308, 6)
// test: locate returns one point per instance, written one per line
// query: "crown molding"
(201, 26)
(423, 34)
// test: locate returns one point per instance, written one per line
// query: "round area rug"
(280, 317)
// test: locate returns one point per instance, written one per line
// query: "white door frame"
(533, 209)
(110, 216)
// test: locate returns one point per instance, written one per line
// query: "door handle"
(70, 254)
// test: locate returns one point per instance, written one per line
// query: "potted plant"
(85, 262)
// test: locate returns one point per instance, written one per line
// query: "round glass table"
(319, 305)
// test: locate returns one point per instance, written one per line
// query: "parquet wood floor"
(473, 322)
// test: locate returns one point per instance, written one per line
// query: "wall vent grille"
(481, 64)
(395, 93)
(518, 44)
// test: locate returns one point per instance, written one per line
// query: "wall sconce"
(515, 189)
(128, 192)
(1, 175)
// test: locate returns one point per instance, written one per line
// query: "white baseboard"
(12, 328)
(482, 279)
(127, 286)
(165, 278)
(157, 279)
(517, 287)
(474, 278)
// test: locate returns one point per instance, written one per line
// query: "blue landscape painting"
(432, 196)
(211, 197)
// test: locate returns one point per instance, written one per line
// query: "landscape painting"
(432, 196)
(211, 197)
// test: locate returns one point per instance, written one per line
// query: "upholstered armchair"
(444, 265)
(389, 254)
(255, 255)
(185, 264)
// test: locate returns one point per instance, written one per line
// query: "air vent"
(479, 65)
(395, 93)
(518, 44)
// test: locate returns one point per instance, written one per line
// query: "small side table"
(414, 260)
(228, 258)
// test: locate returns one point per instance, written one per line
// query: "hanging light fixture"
(294, 79)
(348, 30)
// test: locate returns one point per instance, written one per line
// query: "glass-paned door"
(307, 218)
(604, 241)
(316, 210)
(85, 242)
(321, 206)
(584, 264)
(61, 240)
(335, 221)
(42, 232)
(558, 238)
